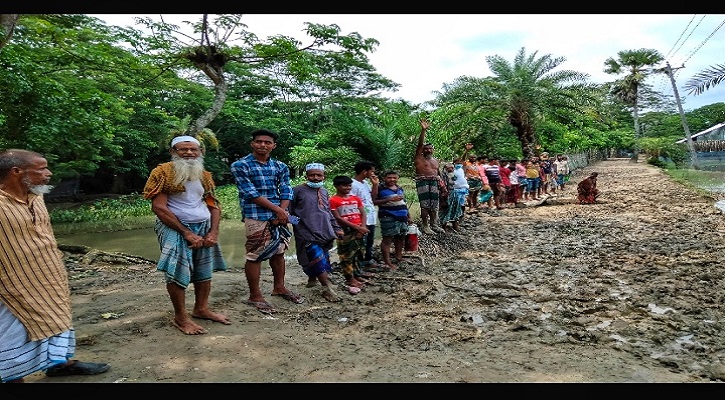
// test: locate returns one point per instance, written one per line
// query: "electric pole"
(690, 144)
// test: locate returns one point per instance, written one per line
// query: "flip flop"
(293, 297)
(262, 306)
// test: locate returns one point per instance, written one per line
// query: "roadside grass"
(709, 183)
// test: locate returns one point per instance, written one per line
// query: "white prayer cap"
(178, 139)
(310, 166)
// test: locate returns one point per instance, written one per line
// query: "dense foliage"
(101, 102)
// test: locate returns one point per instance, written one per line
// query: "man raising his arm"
(427, 182)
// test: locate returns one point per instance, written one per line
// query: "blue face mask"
(315, 185)
(458, 166)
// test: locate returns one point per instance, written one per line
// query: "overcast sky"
(422, 52)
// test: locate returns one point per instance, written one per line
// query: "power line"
(681, 34)
(704, 41)
(688, 36)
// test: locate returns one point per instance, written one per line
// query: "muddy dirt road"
(627, 290)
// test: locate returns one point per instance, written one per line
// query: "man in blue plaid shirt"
(264, 195)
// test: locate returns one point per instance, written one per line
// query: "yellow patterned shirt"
(162, 178)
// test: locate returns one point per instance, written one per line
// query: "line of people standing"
(36, 332)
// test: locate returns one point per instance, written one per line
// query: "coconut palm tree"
(521, 93)
(636, 64)
(706, 79)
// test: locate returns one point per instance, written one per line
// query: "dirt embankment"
(627, 290)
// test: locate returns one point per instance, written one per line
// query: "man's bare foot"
(355, 283)
(211, 316)
(330, 295)
(391, 266)
(189, 327)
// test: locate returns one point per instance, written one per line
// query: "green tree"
(637, 66)
(521, 93)
(331, 63)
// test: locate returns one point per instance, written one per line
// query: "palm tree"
(635, 64)
(706, 79)
(522, 92)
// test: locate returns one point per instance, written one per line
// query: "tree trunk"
(635, 114)
(525, 135)
(8, 22)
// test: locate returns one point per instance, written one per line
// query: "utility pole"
(690, 144)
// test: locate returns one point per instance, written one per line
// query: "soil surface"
(626, 290)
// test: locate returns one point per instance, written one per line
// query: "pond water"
(143, 243)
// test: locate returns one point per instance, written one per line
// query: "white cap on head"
(179, 139)
(310, 166)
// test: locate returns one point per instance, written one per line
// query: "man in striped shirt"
(36, 331)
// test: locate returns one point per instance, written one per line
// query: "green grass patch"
(710, 183)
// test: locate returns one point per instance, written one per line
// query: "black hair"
(16, 158)
(363, 165)
(264, 132)
(391, 172)
(341, 180)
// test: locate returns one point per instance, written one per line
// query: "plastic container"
(411, 239)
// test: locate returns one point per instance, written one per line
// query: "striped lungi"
(428, 191)
(20, 357)
(265, 240)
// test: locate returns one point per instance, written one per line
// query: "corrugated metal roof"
(705, 132)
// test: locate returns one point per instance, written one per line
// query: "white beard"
(187, 170)
(37, 189)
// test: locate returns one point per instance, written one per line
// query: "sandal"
(262, 306)
(290, 296)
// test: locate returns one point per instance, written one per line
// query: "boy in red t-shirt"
(349, 213)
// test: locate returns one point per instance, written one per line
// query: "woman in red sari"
(587, 189)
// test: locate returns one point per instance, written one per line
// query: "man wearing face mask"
(316, 231)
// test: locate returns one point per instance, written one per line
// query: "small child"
(393, 216)
(349, 213)
(532, 176)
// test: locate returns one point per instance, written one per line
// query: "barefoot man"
(427, 182)
(187, 225)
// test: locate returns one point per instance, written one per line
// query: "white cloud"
(424, 51)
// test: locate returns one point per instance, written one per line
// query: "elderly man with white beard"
(36, 324)
(187, 226)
